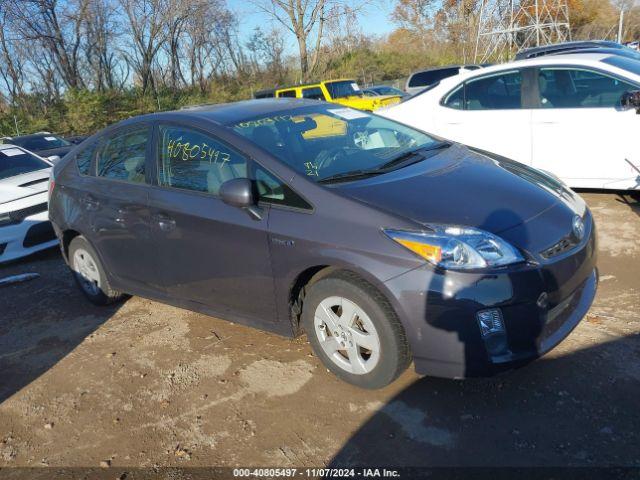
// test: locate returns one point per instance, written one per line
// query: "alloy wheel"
(347, 335)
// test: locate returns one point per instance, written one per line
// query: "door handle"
(165, 222)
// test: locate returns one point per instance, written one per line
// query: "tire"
(89, 273)
(362, 341)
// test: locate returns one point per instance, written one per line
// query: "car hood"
(60, 151)
(368, 103)
(25, 185)
(461, 187)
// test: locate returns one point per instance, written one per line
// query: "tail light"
(52, 184)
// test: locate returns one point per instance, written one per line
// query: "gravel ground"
(144, 384)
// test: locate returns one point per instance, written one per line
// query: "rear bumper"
(439, 312)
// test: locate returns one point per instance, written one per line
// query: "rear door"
(487, 113)
(117, 206)
(580, 133)
(209, 252)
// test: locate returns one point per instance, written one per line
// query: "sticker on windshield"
(355, 86)
(348, 113)
(12, 152)
(50, 139)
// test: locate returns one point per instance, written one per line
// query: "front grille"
(39, 233)
(564, 245)
(18, 216)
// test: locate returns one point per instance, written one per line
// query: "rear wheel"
(354, 331)
(89, 273)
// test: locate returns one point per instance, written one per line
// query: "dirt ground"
(144, 384)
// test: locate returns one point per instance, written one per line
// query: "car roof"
(565, 46)
(229, 113)
(435, 69)
(577, 58)
(31, 135)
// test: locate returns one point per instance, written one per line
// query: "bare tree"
(303, 18)
(101, 30)
(146, 32)
(11, 62)
(267, 54)
(417, 17)
(58, 29)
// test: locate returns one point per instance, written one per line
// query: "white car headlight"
(457, 247)
(5, 219)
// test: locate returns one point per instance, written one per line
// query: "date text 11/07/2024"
(316, 472)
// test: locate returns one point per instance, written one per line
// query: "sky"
(374, 19)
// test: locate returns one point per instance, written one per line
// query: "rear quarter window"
(84, 160)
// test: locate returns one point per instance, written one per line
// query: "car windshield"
(327, 143)
(15, 161)
(44, 142)
(343, 88)
(387, 91)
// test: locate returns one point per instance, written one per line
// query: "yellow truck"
(343, 92)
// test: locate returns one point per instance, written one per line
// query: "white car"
(24, 222)
(559, 113)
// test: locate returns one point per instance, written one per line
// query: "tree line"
(78, 65)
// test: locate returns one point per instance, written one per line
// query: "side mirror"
(631, 100)
(54, 159)
(239, 193)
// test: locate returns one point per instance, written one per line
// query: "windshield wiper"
(346, 176)
(406, 159)
(412, 156)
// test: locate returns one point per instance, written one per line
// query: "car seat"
(134, 167)
(219, 173)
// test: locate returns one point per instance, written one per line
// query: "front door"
(208, 252)
(487, 113)
(580, 133)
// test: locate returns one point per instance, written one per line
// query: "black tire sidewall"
(103, 296)
(368, 299)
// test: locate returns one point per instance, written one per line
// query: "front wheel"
(354, 331)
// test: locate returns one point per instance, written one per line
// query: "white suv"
(562, 113)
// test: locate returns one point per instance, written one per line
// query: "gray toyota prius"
(383, 243)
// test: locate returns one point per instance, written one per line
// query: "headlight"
(454, 247)
(5, 219)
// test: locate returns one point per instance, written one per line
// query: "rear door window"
(314, 93)
(579, 88)
(122, 156)
(455, 99)
(192, 160)
(287, 94)
(496, 92)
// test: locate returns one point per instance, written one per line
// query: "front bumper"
(31, 235)
(438, 310)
